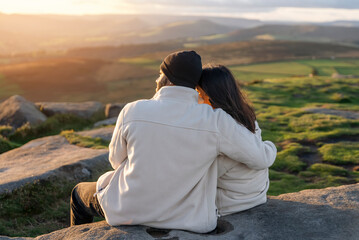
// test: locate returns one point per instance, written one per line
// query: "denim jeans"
(84, 206)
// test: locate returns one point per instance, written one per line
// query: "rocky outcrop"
(104, 133)
(83, 109)
(16, 111)
(106, 122)
(45, 157)
(331, 213)
(113, 109)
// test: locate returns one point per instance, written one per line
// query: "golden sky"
(267, 10)
(70, 7)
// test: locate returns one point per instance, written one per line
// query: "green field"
(142, 62)
(305, 138)
(314, 150)
(318, 67)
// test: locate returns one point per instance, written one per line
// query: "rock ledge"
(331, 213)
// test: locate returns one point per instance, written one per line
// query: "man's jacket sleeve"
(118, 145)
(240, 144)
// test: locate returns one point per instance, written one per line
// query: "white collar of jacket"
(183, 94)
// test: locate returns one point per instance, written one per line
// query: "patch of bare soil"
(345, 114)
(342, 138)
(312, 156)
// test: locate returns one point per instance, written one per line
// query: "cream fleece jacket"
(163, 153)
(240, 187)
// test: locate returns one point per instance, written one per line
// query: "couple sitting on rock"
(179, 164)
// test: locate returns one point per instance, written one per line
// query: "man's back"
(168, 179)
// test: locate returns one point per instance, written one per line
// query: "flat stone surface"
(106, 122)
(44, 157)
(16, 111)
(83, 109)
(331, 213)
(345, 114)
(104, 133)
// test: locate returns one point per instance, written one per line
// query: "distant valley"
(55, 33)
(127, 73)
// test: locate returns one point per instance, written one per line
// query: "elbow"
(114, 166)
(268, 156)
(113, 162)
(270, 153)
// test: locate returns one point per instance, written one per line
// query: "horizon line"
(171, 15)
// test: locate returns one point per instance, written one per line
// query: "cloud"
(287, 10)
(58, 6)
(247, 4)
(266, 10)
(304, 14)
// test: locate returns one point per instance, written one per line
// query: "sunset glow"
(68, 7)
(257, 9)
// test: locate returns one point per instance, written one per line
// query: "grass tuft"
(36, 208)
(287, 159)
(341, 153)
(52, 126)
(284, 183)
(6, 130)
(327, 169)
(87, 142)
(39, 207)
(6, 145)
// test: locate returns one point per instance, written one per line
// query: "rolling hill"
(242, 52)
(177, 30)
(127, 73)
(51, 33)
(343, 23)
(31, 33)
(311, 33)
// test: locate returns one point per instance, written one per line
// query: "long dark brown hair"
(223, 91)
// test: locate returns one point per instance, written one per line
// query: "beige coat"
(163, 151)
(240, 187)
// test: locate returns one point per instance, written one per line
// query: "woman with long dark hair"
(239, 187)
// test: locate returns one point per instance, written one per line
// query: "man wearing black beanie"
(163, 153)
(182, 68)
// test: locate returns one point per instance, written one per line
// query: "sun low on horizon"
(64, 7)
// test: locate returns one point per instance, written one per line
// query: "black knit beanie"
(183, 68)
